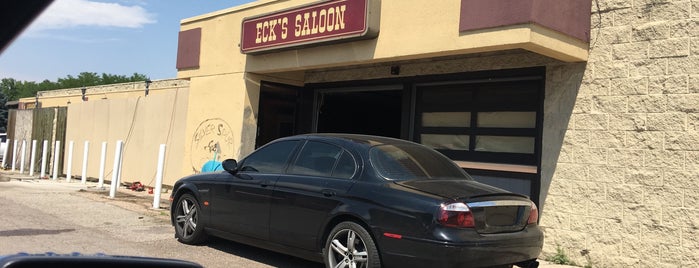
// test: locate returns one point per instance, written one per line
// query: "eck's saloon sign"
(327, 21)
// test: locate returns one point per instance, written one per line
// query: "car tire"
(349, 242)
(189, 228)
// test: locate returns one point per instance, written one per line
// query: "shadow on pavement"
(264, 256)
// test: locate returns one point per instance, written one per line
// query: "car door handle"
(265, 183)
(328, 193)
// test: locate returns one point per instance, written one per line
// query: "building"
(590, 107)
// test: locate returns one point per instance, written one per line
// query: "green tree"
(9, 89)
(15, 90)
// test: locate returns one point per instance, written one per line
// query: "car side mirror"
(230, 165)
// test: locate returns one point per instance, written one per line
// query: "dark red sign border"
(369, 28)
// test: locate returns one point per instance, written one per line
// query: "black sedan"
(358, 201)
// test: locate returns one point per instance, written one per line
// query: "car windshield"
(413, 162)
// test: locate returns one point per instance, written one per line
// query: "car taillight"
(533, 214)
(456, 215)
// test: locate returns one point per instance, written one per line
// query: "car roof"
(347, 139)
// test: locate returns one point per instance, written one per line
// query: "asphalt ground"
(135, 215)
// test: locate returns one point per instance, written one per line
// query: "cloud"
(64, 14)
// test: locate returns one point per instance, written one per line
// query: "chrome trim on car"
(499, 203)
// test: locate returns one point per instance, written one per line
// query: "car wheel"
(350, 245)
(188, 226)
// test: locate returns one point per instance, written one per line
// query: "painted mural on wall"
(212, 142)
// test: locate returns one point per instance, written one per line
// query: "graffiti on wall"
(213, 140)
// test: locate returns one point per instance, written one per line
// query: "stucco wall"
(143, 123)
(63, 97)
(235, 77)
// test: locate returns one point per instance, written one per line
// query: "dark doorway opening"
(374, 112)
(278, 112)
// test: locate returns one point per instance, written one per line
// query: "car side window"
(322, 159)
(345, 167)
(269, 159)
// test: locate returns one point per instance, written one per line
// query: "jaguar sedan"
(358, 201)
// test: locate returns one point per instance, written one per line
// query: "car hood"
(454, 189)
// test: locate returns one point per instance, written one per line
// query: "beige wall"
(226, 71)
(214, 116)
(143, 123)
(626, 184)
(63, 97)
(620, 174)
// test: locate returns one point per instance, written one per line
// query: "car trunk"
(494, 210)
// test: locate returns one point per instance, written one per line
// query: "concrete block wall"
(625, 190)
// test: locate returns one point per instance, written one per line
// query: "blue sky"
(116, 37)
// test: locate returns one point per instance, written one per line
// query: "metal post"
(86, 149)
(44, 153)
(14, 156)
(23, 157)
(159, 177)
(70, 161)
(103, 159)
(32, 159)
(56, 153)
(4, 154)
(116, 170)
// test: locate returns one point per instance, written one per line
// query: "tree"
(14, 89)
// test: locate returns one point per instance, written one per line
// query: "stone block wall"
(625, 190)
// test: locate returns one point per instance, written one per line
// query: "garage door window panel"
(484, 122)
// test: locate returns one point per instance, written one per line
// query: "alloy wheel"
(187, 218)
(347, 250)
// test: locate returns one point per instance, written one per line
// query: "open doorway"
(277, 112)
(373, 112)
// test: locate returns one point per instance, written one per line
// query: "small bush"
(560, 257)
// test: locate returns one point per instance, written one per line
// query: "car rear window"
(413, 162)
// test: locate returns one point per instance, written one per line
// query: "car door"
(303, 199)
(241, 202)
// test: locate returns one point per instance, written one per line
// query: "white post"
(32, 158)
(56, 153)
(14, 156)
(4, 154)
(70, 161)
(159, 177)
(103, 159)
(43, 158)
(85, 152)
(23, 157)
(116, 170)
